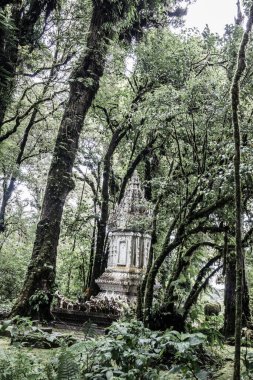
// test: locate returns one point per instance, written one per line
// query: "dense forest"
(94, 95)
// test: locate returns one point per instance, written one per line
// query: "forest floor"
(224, 373)
(227, 354)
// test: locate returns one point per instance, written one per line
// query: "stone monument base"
(122, 282)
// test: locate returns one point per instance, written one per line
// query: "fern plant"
(68, 368)
(89, 329)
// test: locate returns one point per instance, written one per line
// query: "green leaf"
(202, 375)
(109, 375)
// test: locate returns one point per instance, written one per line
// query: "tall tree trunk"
(235, 95)
(84, 85)
(142, 287)
(93, 239)
(246, 301)
(92, 253)
(229, 295)
(8, 60)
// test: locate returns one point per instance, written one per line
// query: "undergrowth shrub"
(129, 351)
(67, 366)
(21, 365)
(211, 328)
(23, 332)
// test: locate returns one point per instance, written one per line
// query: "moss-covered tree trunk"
(235, 95)
(8, 59)
(84, 85)
(229, 298)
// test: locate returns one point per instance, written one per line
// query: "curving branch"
(200, 284)
(131, 168)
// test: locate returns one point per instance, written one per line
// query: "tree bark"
(8, 60)
(142, 287)
(94, 234)
(235, 100)
(229, 296)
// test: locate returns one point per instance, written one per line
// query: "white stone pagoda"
(129, 244)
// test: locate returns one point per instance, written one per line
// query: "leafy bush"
(248, 365)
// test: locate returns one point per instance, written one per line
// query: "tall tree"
(235, 99)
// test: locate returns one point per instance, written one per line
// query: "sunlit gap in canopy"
(214, 13)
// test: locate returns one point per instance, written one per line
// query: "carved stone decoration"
(129, 244)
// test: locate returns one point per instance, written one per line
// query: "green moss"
(44, 355)
(4, 343)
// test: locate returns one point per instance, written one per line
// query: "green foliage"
(126, 352)
(181, 83)
(24, 333)
(211, 328)
(10, 283)
(187, 349)
(16, 326)
(13, 266)
(68, 369)
(39, 298)
(24, 366)
(131, 351)
(89, 329)
(247, 359)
